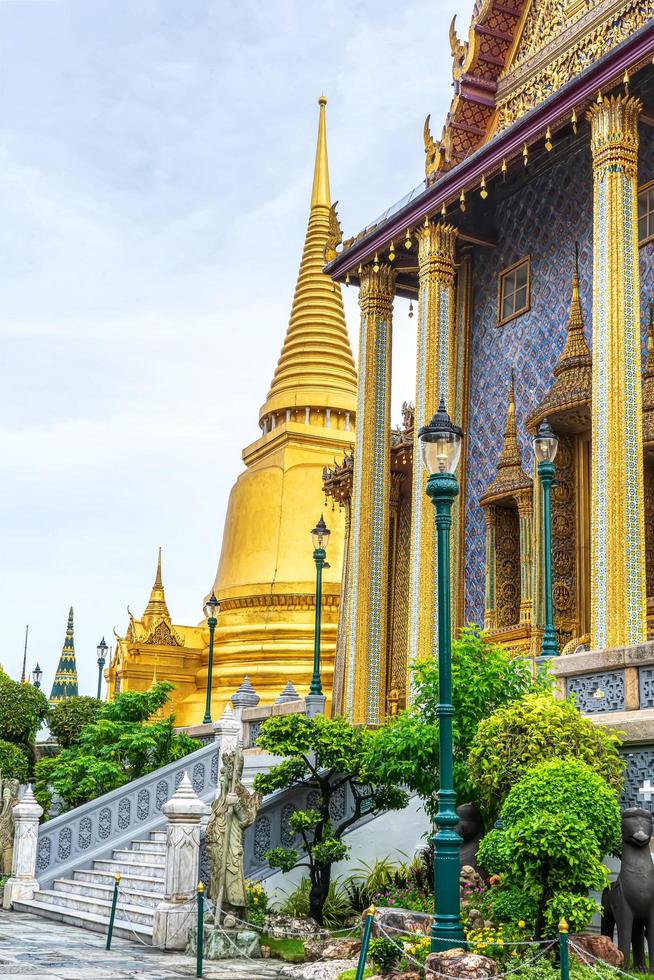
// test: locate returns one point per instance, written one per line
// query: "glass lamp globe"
(440, 443)
(546, 443)
(211, 607)
(320, 535)
(102, 649)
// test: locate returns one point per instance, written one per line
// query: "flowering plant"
(500, 942)
(418, 949)
(409, 896)
(257, 902)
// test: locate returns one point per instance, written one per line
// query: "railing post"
(200, 928)
(563, 950)
(365, 942)
(23, 883)
(114, 900)
(172, 917)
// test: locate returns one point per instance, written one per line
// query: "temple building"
(266, 575)
(529, 247)
(65, 679)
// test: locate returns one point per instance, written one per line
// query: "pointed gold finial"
(509, 466)
(320, 193)
(156, 607)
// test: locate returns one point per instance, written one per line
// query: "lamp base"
(315, 704)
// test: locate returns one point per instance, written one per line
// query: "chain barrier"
(582, 953)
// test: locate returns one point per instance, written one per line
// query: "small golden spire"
(320, 192)
(509, 466)
(156, 607)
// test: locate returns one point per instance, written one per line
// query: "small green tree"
(519, 735)
(70, 716)
(23, 709)
(324, 755)
(14, 762)
(484, 677)
(125, 742)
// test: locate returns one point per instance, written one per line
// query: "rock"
(476, 919)
(331, 949)
(329, 970)
(601, 947)
(471, 884)
(458, 963)
(289, 927)
(403, 919)
(225, 944)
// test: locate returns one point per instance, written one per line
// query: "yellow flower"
(514, 953)
(521, 924)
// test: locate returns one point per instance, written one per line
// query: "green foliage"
(512, 905)
(122, 744)
(14, 762)
(337, 909)
(544, 969)
(384, 954)
(577, 910)
(351, 974)
(70, 716)
(23, 709)
(325, 755)
(289, 950)
(257, 903)
(484, 677)
(536, 728)
(368, 880)
(568, 786)
(493, 854)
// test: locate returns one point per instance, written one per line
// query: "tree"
(14, 762)
(70, 716)
(558, 820)
(326, 756)
(23, 709)
(484, 677)
(125, 742)
(536, 728)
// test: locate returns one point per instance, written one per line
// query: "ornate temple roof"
(568, 400)
(316, 366)
(155, 628)
(510, 476)
(65, 680)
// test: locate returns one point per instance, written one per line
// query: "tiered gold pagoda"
(266, 575)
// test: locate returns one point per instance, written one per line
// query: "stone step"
(140, 857)
(158, 835)
(130, 868)
(153, 886)
(130, 896)
(86, 920)
(149, 846)
(98, 906)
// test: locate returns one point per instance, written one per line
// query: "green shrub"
(512, 905)
(257, 902)
(567, 786)
(23, 708)
(384, 954)
(70, 716)
(14, 762)
(492, 854)
(520, 735)
(337, 909)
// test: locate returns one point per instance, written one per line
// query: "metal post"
(546, 471)
(365, 942)
(211, 622)
(446, 931)
(563, 950)
(200, 928)
(113, 910)
(100, 667)
(319, 556)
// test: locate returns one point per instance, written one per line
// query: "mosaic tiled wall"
(543, 220)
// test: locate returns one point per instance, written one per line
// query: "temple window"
(514, 291)
(646, 213)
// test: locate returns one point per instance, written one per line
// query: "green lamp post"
(37, 674)
(102, 650)
(440, 447)
(546, 445)
(210, 610)
(320, 539)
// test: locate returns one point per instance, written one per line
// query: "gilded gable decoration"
(163, 634)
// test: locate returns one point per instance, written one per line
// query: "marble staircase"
(84, 900)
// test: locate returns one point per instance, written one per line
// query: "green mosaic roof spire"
(65, 681)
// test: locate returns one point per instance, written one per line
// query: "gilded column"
(434, 378)
(368, 607)
(489, 602)
(618, 592)
(340, 657)
(526, 554)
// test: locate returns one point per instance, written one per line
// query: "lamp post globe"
(102, 652)
(320, 539)
(37, 674)
(440, 447)
(546, 445)
(211, 607)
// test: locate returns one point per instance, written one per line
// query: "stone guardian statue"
(629, 902)
(8, 800)
(232, 812)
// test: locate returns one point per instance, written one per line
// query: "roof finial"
(156, 607)
(320, 194)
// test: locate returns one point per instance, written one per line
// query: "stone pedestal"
(225, 944)
(315, 704)
(23, 883)
(175, 915)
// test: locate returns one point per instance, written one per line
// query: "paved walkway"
(45, 950)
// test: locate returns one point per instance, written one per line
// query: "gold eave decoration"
(510, 478)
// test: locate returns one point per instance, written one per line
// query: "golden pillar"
(489, 601)
(524, 502)
(367, 604)
(618, 593)
(434, 379)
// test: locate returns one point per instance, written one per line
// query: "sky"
(156, 160)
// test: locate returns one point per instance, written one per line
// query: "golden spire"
(315, 367)
(510, 475)
(156, 607)
(575, 343)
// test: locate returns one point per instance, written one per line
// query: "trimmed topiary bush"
(567, 786)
